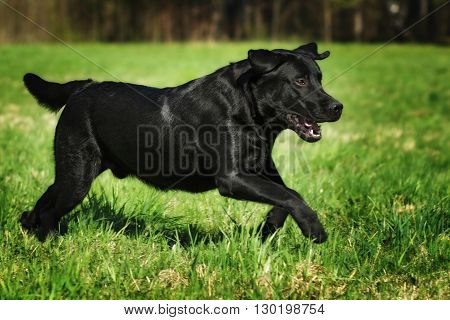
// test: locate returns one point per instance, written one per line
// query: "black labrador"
(213, 132)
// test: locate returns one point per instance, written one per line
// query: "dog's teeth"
(307, 124)
(311, 131)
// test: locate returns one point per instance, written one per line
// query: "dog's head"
(287, 84)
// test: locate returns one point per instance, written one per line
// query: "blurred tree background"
(192, 20)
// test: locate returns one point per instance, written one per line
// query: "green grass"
(379, 180)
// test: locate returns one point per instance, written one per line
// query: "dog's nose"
(337, 107)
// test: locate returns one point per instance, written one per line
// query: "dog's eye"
(300, 82)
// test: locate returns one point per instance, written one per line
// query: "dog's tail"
(52, 95)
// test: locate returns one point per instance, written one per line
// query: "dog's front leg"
(274, 221)
(262, 189)
(276, 216)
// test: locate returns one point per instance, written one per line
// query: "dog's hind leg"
(74, 176)
(30, 219)
(77, 164)
(76, 168)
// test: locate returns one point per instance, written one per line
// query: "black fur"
(52, 96)
(214, 132)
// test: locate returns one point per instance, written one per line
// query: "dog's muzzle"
(307, 129)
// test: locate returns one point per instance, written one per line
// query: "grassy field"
(379, 180)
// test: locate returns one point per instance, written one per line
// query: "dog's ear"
(311, 50)
(264, 61)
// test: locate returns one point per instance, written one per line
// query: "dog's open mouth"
(307, 129)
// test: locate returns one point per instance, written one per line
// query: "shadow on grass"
(147, 221)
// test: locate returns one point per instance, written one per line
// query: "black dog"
(214, 132)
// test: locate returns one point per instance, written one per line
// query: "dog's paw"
(42, 234)
(28, 220)
(315, 232)
(265, 230)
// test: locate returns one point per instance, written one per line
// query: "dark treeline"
(184, 20)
